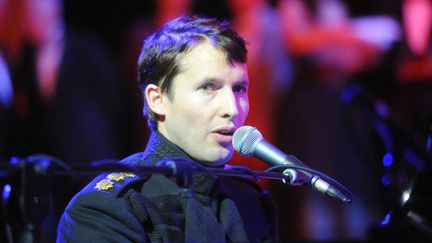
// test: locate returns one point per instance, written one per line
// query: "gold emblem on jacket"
(104, 184)
(118, 176)
(108, 182)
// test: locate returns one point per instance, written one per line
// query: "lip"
(224, 138)
(221, 138)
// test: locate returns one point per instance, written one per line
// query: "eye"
(240, 88)
(208, 87)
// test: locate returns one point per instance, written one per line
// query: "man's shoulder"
(141, 158)
(114, 184)
(103, 208)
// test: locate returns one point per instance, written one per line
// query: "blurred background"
(343, 85)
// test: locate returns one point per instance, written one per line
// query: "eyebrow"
(242, 82)
(219, 80)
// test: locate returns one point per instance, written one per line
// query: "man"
(193, 74)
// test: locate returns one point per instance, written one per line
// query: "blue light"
(386, 219)
(347, 95)
(388, 159)
(6, 192)
(14, 160)
(386, 179)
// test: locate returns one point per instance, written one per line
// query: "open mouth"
(225, 132)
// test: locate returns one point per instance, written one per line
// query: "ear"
(154, 98)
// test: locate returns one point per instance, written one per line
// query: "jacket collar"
(160, 148)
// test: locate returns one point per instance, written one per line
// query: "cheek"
(192, 110)
(244, 107)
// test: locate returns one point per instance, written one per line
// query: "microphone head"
(245, 139)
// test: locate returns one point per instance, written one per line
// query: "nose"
(229, 105)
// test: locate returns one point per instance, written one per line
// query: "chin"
(218, 160)
(215, 163)
(223, 160)
(216, 157)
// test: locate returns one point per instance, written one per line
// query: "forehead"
(206, 63)
(204, 59)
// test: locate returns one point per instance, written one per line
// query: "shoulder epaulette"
(116, 182)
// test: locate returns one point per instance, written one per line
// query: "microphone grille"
(245, 139)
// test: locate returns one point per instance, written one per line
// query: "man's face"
(209, 102)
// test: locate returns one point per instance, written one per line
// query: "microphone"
(248, 141)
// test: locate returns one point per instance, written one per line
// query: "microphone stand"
(31, 196)
(35, 177)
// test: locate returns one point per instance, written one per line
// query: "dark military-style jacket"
(123, 207)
